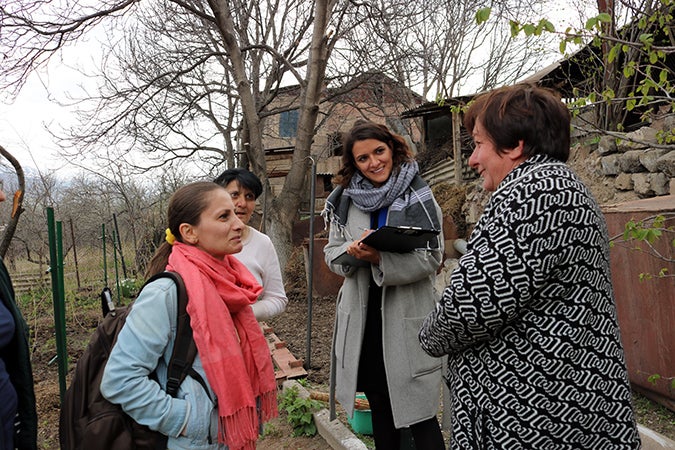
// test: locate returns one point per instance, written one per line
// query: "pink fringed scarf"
(229, 340)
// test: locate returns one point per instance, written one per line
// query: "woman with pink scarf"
(239, 392)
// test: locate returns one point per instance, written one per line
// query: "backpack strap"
(184, 348)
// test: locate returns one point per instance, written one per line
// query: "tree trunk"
(17, 203)
(284, 208)
(254, 149)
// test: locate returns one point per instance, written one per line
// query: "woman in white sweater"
(258, 254)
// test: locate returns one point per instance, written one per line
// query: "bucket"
(361, 422)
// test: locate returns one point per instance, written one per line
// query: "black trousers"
(372, 381)
(427, 434)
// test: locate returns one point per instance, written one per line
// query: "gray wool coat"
(414, 378)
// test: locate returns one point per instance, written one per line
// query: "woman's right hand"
(362, 251)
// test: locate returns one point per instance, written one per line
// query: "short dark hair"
(526, 112)
(244, 177)
(361, 131)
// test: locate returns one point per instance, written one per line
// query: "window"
(334, 143)
(327, 183)
(288, 123)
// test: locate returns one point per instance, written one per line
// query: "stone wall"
(637, 162)
(618, 168)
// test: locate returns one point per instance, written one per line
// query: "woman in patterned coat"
(385, 296)
(528, 321)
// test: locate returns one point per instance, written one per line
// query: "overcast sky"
(22, 124)
(22, 131)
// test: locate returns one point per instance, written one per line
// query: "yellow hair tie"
(170, 238)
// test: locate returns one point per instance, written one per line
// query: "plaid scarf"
(229, 340)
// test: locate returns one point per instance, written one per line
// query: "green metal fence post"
(117, 272)
(56, 269)
(105, 258)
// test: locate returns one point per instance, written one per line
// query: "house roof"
(564, 75)
(360, 80)
(561, 76)
(432, 108)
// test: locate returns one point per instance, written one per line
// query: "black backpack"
(87, 420)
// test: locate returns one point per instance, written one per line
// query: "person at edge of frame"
(17, 394)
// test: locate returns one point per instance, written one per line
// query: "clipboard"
(391, 239)
(348, 260)
(399, 239)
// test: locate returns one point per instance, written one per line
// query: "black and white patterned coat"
(529, 323)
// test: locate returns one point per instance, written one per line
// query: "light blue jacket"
(145, 343)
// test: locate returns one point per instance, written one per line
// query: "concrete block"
(624, 182)
(642, 184)
(606, 146)
(638, 139)
(666, 164)
(610, 165)
(335, 433)
(669, 122)
(660, 183)
(651, 440)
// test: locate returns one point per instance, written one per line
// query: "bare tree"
(187, 80)
(234, 39)
(165, 92)
(89, 201)
(30, 240)
(439, 47)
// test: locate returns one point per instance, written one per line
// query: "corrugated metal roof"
(434, 108)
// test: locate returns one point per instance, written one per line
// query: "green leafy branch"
(641, 60)
(655, 378)
(647, 232)
(300, 411)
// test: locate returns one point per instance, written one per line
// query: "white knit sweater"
(260, 257)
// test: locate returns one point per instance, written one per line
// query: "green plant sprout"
(299, 412)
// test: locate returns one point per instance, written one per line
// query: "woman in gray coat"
(385, 295)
